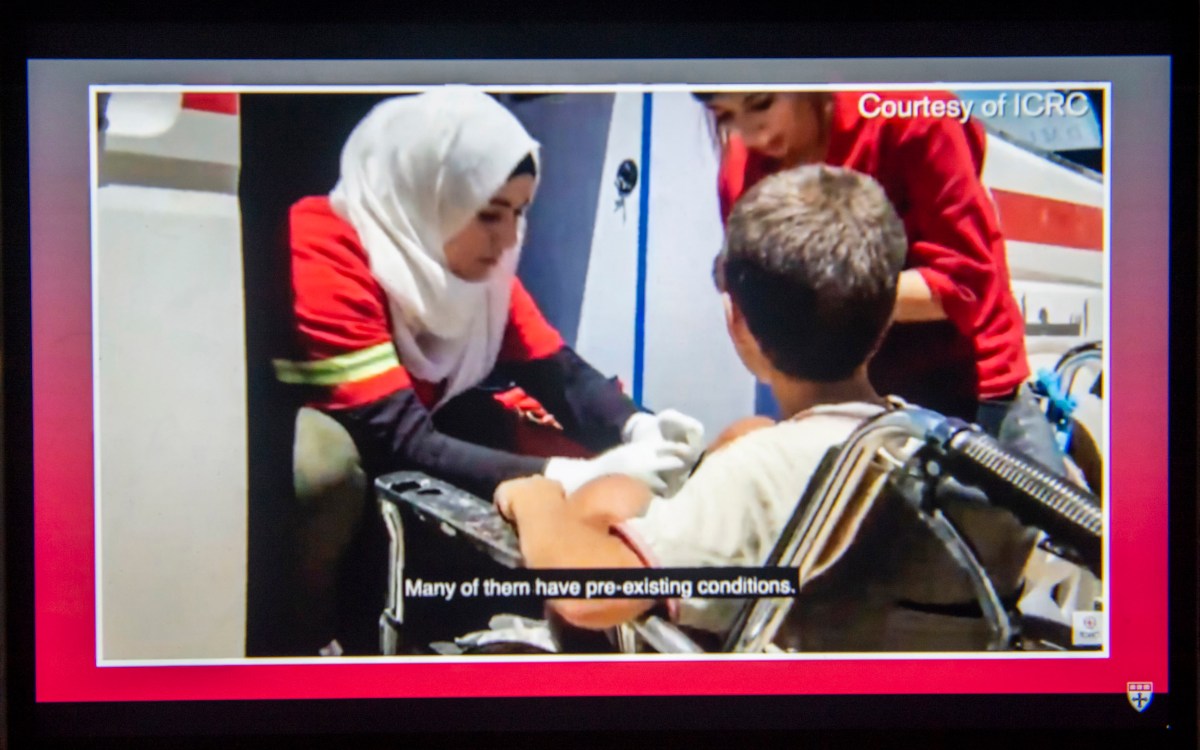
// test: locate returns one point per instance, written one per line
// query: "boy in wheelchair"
(808, 276)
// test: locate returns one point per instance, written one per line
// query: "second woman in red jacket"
(958, 343)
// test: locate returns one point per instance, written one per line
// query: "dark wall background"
(290, 149)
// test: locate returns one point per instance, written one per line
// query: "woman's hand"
(672, 426)
(649, 461)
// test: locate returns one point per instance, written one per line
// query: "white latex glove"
(675, 427)
(648, 461)
(666, 425)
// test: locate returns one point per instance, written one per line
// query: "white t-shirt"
(733, 509)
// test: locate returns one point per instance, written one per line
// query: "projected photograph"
(529, 373)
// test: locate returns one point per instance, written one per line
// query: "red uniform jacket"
(342, 316)
(345, 359)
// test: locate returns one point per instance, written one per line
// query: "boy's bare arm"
(559, 532)
(610, 500)
(556, 533)
(739, 428)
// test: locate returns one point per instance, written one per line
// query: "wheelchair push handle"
(1069, 514)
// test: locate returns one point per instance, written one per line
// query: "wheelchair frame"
(913, 447)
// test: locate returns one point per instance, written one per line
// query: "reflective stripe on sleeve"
(344, 368)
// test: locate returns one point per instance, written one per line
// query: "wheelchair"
(1056, 588)
(913, 535)
(1081, 373)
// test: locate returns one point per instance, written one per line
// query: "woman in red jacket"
(958, 344)
(405, 301)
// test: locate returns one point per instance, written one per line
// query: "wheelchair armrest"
(453, 511)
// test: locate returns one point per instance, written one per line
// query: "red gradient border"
(65, 602)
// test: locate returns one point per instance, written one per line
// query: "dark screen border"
(367, 719)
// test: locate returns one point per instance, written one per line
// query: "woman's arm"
(915, 301)
(396, 432)
(956, 252)
(590, 407)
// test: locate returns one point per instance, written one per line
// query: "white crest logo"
(1139, 694)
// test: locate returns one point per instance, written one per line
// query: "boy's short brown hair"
(812, 258)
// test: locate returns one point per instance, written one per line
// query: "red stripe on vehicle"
(225, 104)
(1046, 221)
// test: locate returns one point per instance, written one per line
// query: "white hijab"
(414, 172)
